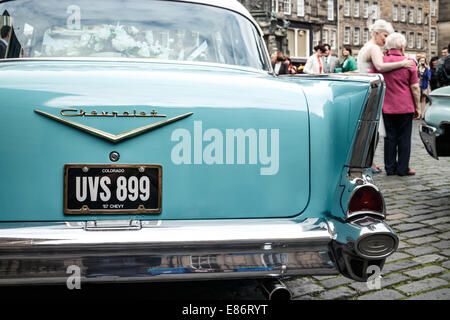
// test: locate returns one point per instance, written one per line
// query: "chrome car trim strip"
(135, 60)
(364, 143)
(439, 95)
(164, 250)
(114, 138)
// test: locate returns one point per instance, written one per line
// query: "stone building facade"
(297, 26)
(273, 24)
(311, 22)
(415, 19)
(443, 25)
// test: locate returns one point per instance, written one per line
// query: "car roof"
(233, 5)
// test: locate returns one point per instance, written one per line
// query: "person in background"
(434, 80)
(418, 56)
(273, 57)
(330, 62)
(400, 106)
(279, 66)
(291, 67)
(5, 33)
(444, 70)
(314, 63)
(349, 63)
(371, 55)
(444, 54)
(424, 75)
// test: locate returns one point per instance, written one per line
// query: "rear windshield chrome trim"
(135, 60)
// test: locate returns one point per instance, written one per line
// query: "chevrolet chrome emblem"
(114, 138)
(82, 113)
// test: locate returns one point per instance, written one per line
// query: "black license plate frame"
(74, 194)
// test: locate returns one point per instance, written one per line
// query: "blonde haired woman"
(371, 54)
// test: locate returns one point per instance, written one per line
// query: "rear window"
(165, 30)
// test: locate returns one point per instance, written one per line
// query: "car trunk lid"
(236, 144)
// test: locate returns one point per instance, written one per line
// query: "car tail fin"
(366, 136)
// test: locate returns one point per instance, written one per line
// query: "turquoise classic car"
(435, 130)
(153, 142)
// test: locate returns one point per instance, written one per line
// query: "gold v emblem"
(114, 138)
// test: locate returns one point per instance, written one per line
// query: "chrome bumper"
(163, 250)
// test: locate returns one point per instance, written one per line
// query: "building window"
(404, 35)
(395, 13)
(301, 43)
(291, 42)
(403, 14)
(411, 40)
(419, 15)
(316, 38)
(287, 6)
(324, 36)
(356, 36)
(333, 39)
(347, 8)
(330, 10)
(411, 15)
(347, 35)
(419, 41)
(366, 35)
(433, 8)
(375, 10)
(366, 9)
(275, 6)
(298, 43)
(301, 8)
(433, 35)
(356, 8)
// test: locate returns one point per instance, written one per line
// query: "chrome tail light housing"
(366, 199)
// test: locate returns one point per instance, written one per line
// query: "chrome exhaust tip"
(274, 289)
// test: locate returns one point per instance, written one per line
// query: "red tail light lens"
(366, 198)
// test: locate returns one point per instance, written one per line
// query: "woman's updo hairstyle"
(379, 26)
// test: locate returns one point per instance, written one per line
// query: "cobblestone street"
(418, 209)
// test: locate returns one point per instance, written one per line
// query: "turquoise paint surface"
(302, 110)
(221, 99)
(439, 110)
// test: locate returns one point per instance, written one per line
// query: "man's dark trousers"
(397, 142)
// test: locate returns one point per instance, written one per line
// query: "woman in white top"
(371, 54)
(314, 63)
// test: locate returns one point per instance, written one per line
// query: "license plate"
(112, 189)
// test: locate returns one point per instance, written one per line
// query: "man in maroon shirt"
(400, 106)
